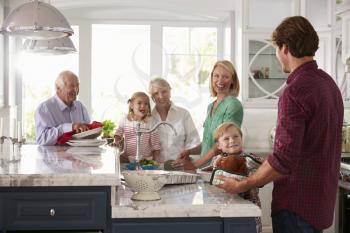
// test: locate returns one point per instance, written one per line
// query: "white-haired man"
(62, 112)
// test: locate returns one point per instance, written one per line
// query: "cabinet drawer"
(55, 210)
(169, 225)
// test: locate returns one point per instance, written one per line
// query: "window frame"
(85, 51)
(156, 35)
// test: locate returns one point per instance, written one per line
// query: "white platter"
(85, 140)
(85, 150)
(92, 133)
(96, 143)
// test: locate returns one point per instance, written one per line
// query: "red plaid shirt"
(308, 146)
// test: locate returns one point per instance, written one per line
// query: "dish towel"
(68, 135)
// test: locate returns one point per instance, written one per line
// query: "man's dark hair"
(298, 35)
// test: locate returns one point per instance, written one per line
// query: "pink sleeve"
(120, 129)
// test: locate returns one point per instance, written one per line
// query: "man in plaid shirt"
(304, 165)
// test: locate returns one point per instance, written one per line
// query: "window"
(188, 56)
(120, 67)
(121, 62)
(39, 73)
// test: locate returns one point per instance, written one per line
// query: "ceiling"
(199, 10)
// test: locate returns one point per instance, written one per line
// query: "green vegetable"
(168, 165)
(149, 162)
(108, 128)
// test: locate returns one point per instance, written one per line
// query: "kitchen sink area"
(55, 188)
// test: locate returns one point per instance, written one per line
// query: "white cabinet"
(344, 14)
(318, 12)
(267, 14)
(262, 77)
(342, 50)
(263, 73)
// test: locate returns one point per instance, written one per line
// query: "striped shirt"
(307, 146)
(148, 142)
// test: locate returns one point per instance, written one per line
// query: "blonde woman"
(224, 86)
(186, 136)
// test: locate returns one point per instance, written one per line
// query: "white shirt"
(186, 133)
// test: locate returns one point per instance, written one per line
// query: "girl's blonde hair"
(136, 95)
(221, 129)
(227, 65)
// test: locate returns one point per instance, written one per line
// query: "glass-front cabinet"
(263, 75)
(266, 78)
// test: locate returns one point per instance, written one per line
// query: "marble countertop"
(33, 165)
(190, 200)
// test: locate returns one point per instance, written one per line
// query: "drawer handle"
(52, 212)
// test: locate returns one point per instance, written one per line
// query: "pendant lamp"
(50, 47)
(36, 20)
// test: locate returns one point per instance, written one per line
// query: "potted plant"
(108, 130)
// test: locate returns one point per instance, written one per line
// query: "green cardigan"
(229, 110)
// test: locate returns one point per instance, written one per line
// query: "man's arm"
(45, 134)
(265, 174)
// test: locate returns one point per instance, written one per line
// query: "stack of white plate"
(89, 134)
(86, 142)
(86, 150)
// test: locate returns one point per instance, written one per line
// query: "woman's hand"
(183, 164)
(184, 155)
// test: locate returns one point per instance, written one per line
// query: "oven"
(344, 196)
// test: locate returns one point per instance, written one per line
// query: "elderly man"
(61, 113)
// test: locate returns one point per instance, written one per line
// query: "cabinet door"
(263, 75)
(318, 12)
(346, 36)
(268, 13)
(239, 225)
(54, 210)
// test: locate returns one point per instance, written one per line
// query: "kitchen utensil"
(145, 183)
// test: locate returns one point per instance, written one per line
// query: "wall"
(258, 123)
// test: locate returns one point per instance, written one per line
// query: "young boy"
(228, 137)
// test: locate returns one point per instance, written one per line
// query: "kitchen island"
(79, 188)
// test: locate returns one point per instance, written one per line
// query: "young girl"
(139, 112)
(228, 137)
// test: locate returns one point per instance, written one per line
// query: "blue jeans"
(289, 222)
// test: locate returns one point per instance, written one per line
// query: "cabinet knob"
(52, 212)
